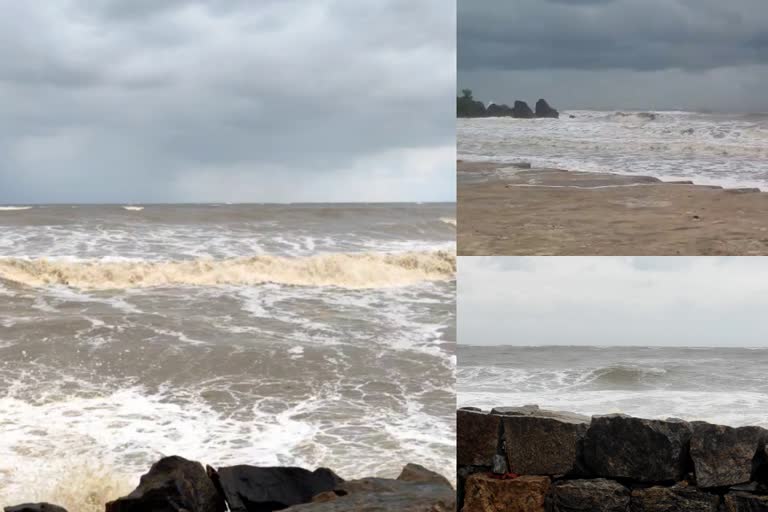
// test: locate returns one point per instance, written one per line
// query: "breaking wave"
(345, 270)
(133, 208)
(448, 220)
(14, 208)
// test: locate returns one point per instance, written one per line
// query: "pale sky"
(667, 301)
(238, 100)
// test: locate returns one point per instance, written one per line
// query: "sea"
(308, 335)
(729, 150)
(725, 386)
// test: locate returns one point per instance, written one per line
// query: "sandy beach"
(504, 209)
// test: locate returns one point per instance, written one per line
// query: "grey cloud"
(122, 101)
(630, 34)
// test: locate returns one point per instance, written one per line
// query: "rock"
(598, 495)
(462, 474)
(522, 110)
(538, 445)
(619, 446)
(477, 438)
(172, 483)
(723, 456)
(500, 465)
(744, 502)
(523, 494)
(572, 116)
(495, 110)
(679, 498)
(381, 494)
(534, 410)
(255, 489)
(35, 507)
(418, 473)
(466, 106)
(544, 110)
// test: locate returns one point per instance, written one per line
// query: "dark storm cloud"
(631, 34)
(195, 100)
(681, 51)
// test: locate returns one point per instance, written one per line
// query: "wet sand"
(509, 210)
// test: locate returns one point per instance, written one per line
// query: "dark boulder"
(724, 456)
(172, 484)
(597, 495)
(679, 498)
(544, 110)
(537, 445)
(619, 446)
(416, 490)
(495, 110)
(35, 507)
(744, 502)
(255, 489)
(477, 438)
(522, 110)
(468, 107)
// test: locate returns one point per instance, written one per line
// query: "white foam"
(720, 150)
(133, 208)
(14, 208)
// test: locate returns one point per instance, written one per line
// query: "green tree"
(466, 94)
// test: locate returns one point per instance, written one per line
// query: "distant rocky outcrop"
(467, 106)
(177, 484)
(554, 461)
(544, 110)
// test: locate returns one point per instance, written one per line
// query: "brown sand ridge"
(518, 211)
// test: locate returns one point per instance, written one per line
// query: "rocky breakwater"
(467, 106)
(178, 484)
(525, 459)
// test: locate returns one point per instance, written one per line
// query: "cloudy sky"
(646, 54)
(238, 100)
(673, 301)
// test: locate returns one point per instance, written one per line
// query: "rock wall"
(525, 459)
(178, 484)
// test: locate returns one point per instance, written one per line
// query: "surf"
(345, 270)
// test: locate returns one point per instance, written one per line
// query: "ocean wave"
(448, 220)
(133, 208)
(346, 270)
(14, 208)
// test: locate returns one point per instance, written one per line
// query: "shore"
(534, 460)
(508, 209)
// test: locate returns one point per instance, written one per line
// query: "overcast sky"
(670, 301)
(647, 54)
(237, 100)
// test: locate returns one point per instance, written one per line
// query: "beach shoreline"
(512, 209)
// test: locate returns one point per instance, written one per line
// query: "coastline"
(524, 211)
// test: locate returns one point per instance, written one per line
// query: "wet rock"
(534, 410)
(678, 498)
(523, 494)
(538, 445)
(429, 492)
(255, 489)
(418, 473)
(495, 110)
(477, 438)
(522, 110)
(744, 502)
(619, 446)
(598, 495)
(544, 110)
(723, 456)
(172, 483)
(500, 465)
(35, 507)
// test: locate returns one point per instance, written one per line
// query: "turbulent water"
(716, 149)
(725, 386)
(305, 334)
